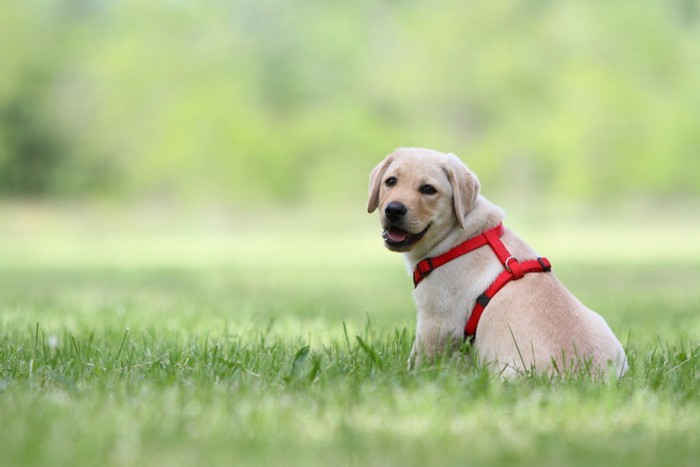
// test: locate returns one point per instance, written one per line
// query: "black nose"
(395, 210)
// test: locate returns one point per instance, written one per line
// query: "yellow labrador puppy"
(477, 280)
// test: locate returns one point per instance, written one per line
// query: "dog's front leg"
(418, 355)
(430, 344)
(426, 347)
(412, 356)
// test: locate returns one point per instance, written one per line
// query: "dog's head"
(421, 195)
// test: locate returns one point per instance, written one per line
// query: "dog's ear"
(465, 187)
(375, 179)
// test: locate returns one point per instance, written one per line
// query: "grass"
(123, 344)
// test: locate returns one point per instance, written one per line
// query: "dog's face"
(421, 196)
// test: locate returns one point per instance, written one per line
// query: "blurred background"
(269, 101)
(195, 165)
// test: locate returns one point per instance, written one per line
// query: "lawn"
(280, 338)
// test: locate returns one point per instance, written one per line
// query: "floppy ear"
(465, 188)
(375, 179)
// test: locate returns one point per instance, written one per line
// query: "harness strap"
(514, 269)
(428, 265)
(535, 265)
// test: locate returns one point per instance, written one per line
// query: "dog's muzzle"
(400, 240)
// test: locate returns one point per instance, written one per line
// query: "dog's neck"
(483, 216)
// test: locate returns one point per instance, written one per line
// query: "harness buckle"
(514, 267)
(483, 300)
(426, 262)
(544, 262)
(423, 268)
(508, 259)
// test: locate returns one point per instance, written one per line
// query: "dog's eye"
(428, 190)
(391, 181)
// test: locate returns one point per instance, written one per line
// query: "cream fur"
(533, 323)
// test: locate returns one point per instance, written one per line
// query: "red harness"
(514, 269)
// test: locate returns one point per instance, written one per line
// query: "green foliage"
(172, 397)
(285, 100)
(32, 150)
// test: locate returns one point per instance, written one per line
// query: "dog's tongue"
(396, 235)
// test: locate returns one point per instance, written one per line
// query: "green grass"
(131, 345)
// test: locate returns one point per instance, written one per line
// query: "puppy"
(429, 203)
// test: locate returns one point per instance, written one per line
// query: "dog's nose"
(395, 210)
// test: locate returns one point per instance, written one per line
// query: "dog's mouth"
(397, 239)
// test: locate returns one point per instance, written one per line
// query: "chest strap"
(513, 269)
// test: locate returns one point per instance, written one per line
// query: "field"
(280, 338)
